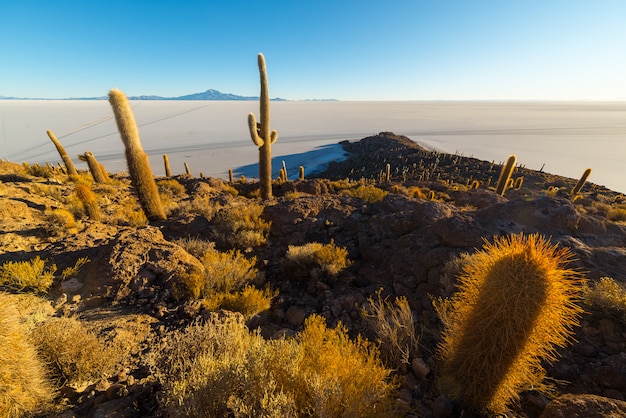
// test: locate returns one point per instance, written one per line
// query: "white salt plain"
(212, 137)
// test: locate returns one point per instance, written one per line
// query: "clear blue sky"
(343, 49)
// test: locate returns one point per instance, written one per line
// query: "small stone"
(295, 315)
(442, 407)
(420, 369)
(71, 286)
(116, 391)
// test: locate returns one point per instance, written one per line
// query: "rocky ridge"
(403, 244)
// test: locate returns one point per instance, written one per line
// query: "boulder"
(584, 406)
(139, 264)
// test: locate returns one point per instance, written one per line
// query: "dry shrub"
(75, 354)
(53, 192)
(128, 213)
(59, 222)
(607, 296)
(221, 369)
(24, 390)
(171, 188)
(227, 272)
(367, 192)
(516, 302)
(248, 301)
(195, 246)
(31, 275)
(198, 205)
(617, 213)
(242, 226)
(315, 260)
(394, 327)
(37, 170)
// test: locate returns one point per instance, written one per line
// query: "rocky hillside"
(405, 230)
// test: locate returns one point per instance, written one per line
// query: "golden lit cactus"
(261, 134)
(581, 182)
(166, 162)
(69, 165)
(516, 303)
(88, 199)
(95, 168)
(137, 160)
(505, 174)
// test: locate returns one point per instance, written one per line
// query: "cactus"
(518, 183)
(230, 176)
(95, 168)
(505, 175)
(166, 162)
(88, 199)
(581, 182)
(516, 303)
(301, 173)
(261, 134)
(137, 160)
(187, 169)
(475, 184)
(69, 165)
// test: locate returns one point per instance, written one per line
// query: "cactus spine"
(581, 182)
(505, 174)
(88, 199)
(261, 134)
(69, 165)
(137, 160)
(166, 162)
(516, 303)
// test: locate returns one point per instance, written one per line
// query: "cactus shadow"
(313, 161)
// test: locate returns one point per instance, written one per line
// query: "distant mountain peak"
(210, 94)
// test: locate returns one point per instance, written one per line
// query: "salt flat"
(213, 136)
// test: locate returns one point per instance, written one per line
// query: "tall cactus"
(69, 165)
(505, 174)
(137, 160)
(95, 168)
(581, 182)
(515, 304)
(261, 134)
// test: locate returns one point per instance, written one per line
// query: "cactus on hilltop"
(261, 134)
(505, 174)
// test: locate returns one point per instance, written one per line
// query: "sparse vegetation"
(220, 368)
(24, 389)
(607, 296)
(242, 226)
(31, 275)
(315, 260)
(76, 355)
(395, 329)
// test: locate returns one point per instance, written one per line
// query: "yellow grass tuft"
(76, 355)
(608, 296)
(316, 260)
(221, 369)
(24, 389)
(394, 326)
(31, 275)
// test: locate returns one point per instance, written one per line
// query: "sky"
(323, 49)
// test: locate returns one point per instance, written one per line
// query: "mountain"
(210, 94)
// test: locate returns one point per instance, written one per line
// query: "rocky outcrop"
(138, 264)
(584, 406)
